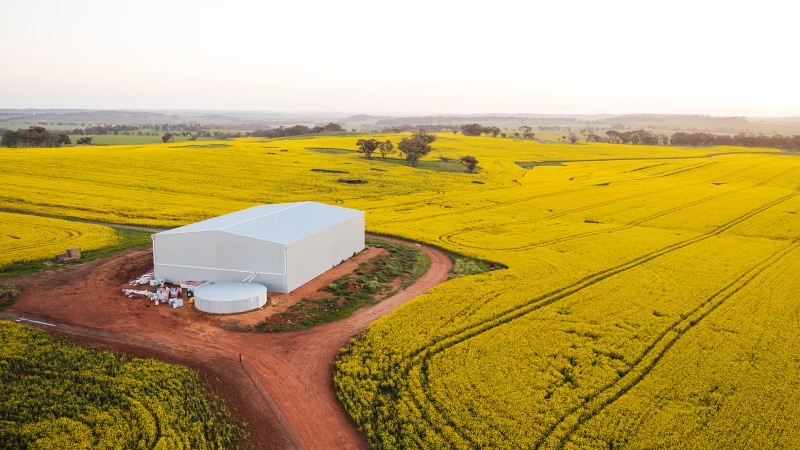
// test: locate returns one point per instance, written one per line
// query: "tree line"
(413, 148)
(700, 139)
(296, 130)
(116, 129)
(35, 136)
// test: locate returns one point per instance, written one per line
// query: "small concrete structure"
(72, 254)
(230, 298)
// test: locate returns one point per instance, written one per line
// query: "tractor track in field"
(448, 236)
(645, 362)
(279, 383)
(670, 158)
(76, 219)
(547, 195)
(421, 356)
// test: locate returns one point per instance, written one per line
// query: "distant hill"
(66, 119)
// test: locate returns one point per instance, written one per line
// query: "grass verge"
(129, 239)
(372, 282)
(464, 266)
(8, 295)
(330, 151)
(436, 165)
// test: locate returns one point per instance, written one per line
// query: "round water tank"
(229, 298)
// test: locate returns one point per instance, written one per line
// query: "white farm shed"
(281, 246)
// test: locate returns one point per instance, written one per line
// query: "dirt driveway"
(283, 385)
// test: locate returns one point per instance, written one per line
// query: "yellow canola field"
(57, 395)
(637, 309)
(25, 237)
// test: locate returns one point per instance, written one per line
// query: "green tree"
(368, 146)
(416, 146)
(386, 148)
(573, 138)
(527, 132)
(470, 161)
(472, 129)
(34, 136)
(167, 137)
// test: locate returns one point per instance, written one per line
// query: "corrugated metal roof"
(282, 223)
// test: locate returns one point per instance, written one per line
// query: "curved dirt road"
(283, 385)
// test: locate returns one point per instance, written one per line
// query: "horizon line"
(401, 113)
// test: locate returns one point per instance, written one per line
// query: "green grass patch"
(129, 239)
(202, 146)
(121, 139)
(464, 266)
(531, 165)
(369, 284)
(451, 166)
(8, 295)
(352, 181)
(330, 151)
(329, 171)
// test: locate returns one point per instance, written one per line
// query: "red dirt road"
(283, 386)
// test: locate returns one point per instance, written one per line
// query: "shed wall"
(219, 257)
(314, 255)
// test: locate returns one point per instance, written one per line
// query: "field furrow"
(594, 404)
(420, 359)
(644, 288)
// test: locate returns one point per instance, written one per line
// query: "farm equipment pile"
(174, 295)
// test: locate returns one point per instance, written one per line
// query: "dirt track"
(283, 386)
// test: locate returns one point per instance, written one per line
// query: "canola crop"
(25, 237)
(649, 299)
(57, 395)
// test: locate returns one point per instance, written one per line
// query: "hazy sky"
(700, 57)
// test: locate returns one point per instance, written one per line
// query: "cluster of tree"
(476, 129)
(416, 146)
(435, 128)
(527, 132)
(700, 139)
(370, 146)
(296, 130)
(221, 135)
(176, 127)
(105, 129)
(638, 137)
(128, 129)
(413, 147)
(226, 135)
(743, 140)
(34, 136)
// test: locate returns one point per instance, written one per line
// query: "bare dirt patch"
(282, 386)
